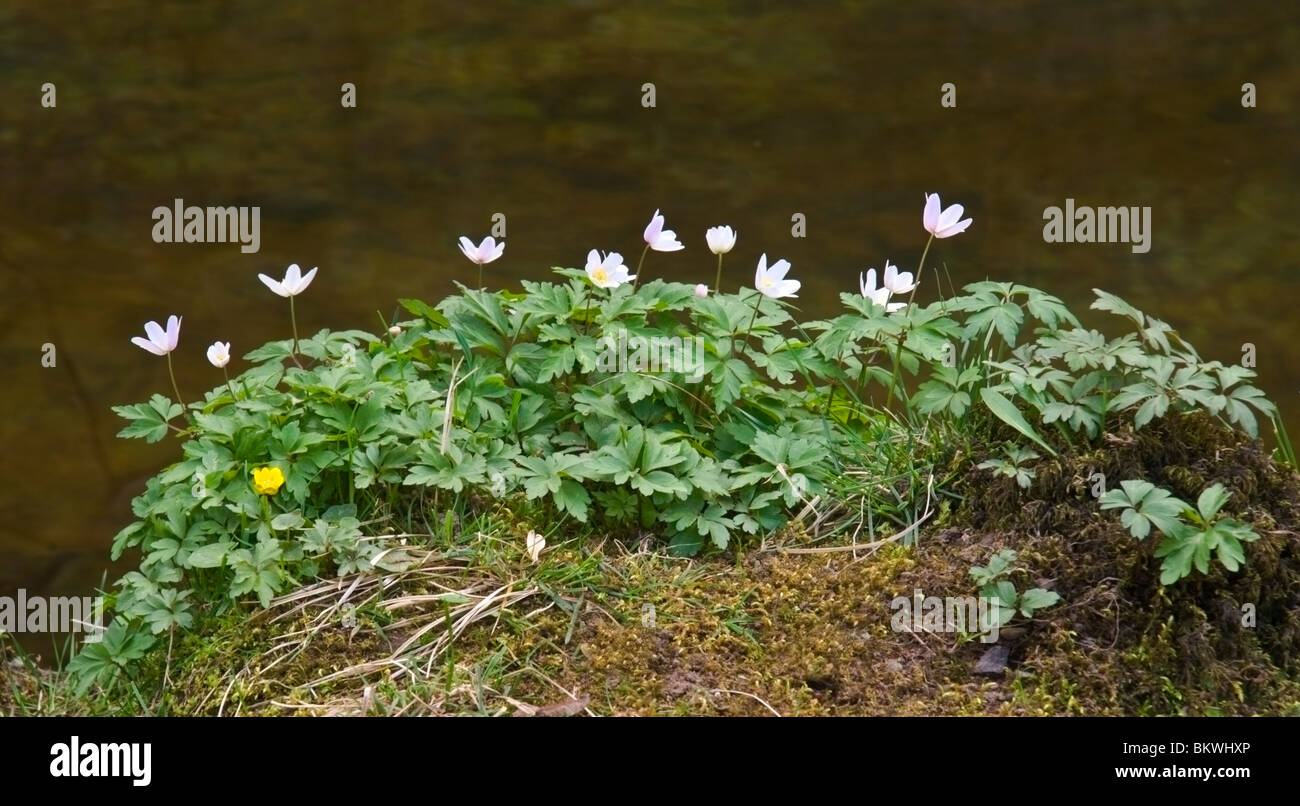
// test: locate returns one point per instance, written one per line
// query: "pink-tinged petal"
(931, 215)
(467, 247)
(950, 216)
(653, 229)
(496, 253)
(156, 334)
(486, 246)
(173, 332)
(145, 344)
(955, 229)
(306, 280)
(275, 285)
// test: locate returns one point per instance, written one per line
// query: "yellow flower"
(267, 480)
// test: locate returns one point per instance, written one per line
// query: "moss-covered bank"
(622, 630)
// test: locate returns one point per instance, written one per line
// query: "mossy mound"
(615, 630)
(1217, 643)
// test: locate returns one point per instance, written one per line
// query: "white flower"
(898, 282)
(293, 284)
(771, 282)
(160, 342)
(394, 331)
(660, 239)
(607, 273)
(534, 543)
(943, 224)
(486, 252)
(701, 290)
(219, 354)
(498, 488)
(880, 296)
(721, 239)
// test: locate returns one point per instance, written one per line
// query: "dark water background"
(533, 110)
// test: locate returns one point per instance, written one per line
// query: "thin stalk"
(293, 317)
(172, 373)
(758, 297)
(919, 267)
(637, 279)
(898, 348)
(717, 282)
(586, 316)
(229, 385)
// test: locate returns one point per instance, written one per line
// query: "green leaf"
(1037, 599)
(1211, 501)
(287, 520)
(1009, 414)
(209, 556)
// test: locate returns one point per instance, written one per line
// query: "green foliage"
(1013, 465)
(997, 587)
(105, 660)
(1144, 505)
(1072, 378)
(1192, 535)
(735, 416)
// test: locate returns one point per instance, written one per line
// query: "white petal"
(653, 229)
(156, 334)
(306, 281)
(931, 216)
(950, 216)
(173, 332)
(292, 276)
(955, 229)
(867, 282)
(145, 344)
(275, 285)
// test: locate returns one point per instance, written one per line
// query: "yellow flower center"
(600, 275)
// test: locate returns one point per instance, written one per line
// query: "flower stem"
(293, 317)
(919, 267)
(637, 279)
(717, 282)
(896, 376)
(758, 297)
(229, 385)
(586, 316)
(480, 277)
(172, 373)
